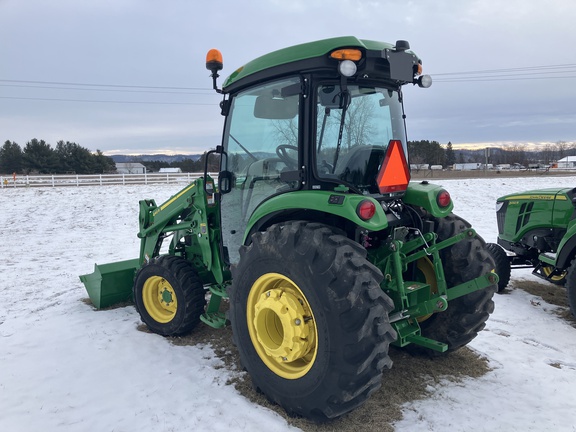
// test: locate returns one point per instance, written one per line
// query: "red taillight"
(443, 198)
(366, 210)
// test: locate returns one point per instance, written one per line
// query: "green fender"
(567, 246)
(344, 205)
(339, 204)
(423, 194)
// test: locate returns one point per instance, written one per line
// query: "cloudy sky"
(128, 76)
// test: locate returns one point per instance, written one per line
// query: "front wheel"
(310, 320)
(502, 264)
(169, 295)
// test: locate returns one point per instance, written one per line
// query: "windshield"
(353, 129)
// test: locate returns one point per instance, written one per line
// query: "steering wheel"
(282, 153)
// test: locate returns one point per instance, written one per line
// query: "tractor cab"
(303, 120)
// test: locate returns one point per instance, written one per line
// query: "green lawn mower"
(537, 229)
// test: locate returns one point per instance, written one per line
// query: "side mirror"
(225, 182)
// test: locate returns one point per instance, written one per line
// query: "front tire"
(169, 295)
(464, 261)
(502, 264)
(571, 286)
(310, 320)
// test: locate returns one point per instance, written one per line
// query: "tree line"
(433, 153)
(39, 157)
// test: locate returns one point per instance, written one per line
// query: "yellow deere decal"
(538, 197)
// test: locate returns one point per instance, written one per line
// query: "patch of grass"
(552, 294)
(407, 381)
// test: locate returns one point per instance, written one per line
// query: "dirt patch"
(408, 380)
(552, 294)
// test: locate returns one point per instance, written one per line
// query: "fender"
(338, 204)
(423, 194)
(566, 247)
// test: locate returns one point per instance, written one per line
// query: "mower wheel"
(571, 286)
(502, 263)
(464, 261)
(169, 295)
(310, 320)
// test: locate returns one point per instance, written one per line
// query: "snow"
(65, 366)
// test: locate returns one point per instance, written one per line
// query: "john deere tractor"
(322, 249)
(537, 229)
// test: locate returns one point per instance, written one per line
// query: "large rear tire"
(169, 295)
(571, 286)
(310, 320)
(502, 264)
(464, 261)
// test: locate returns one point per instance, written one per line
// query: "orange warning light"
(394, 175)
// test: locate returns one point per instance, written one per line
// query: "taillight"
(443, 198)
(366, 210)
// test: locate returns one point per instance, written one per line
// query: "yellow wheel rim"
(547, 270)
(282, 326)
(426, 269)
(159, 299)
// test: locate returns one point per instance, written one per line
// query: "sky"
(129, 76)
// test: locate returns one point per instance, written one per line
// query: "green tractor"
(537, 229)
(322, 249)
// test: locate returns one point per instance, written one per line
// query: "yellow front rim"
(547, 270)
(282, 326)
(159, 299)
(426, 269)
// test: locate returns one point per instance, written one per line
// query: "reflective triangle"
(394, 174)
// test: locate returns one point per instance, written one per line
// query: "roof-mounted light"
(347, 54)
(347, 68)
(424, 81)
(214, 63)
(214, 60)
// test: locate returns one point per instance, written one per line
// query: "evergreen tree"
(40, 157)
(426, 152)
(10, 158)
(74, 158)
(450, 156)
(103, 164)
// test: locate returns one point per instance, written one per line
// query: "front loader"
(313, 234)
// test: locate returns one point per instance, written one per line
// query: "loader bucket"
(111, 283)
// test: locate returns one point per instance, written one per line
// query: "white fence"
(96, 179)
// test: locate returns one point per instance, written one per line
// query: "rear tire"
(571, 286)
(466, 315)
(502, 264)
(310, 320)
(169, 295)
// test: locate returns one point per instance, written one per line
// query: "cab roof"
(298, 54)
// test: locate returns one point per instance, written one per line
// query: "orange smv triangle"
(394, 175)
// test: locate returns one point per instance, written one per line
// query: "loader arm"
(192, 219)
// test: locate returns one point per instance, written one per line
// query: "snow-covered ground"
(66, 367)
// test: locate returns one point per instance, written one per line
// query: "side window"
(261, 141)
